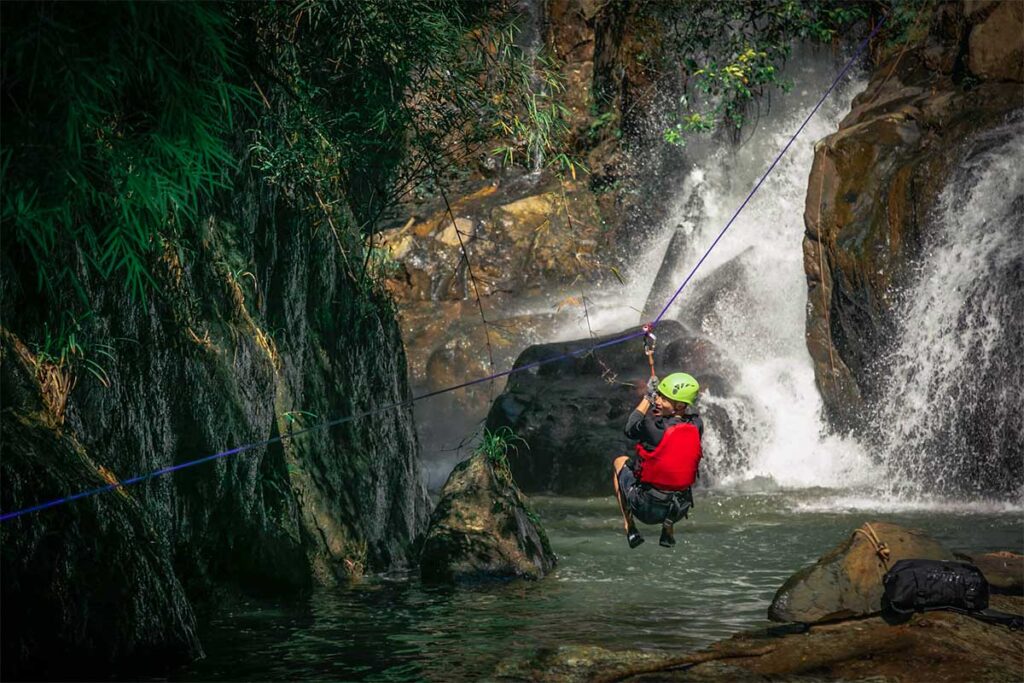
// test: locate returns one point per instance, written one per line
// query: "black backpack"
(922, 585)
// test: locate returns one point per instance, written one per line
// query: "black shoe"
(634, 538)
(668, 537)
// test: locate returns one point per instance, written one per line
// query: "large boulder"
(847, 581)
(875, 183)
(572, 411)
(484, 529)
(996, 47)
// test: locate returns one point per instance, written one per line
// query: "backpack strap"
(993, 616)
(1014, 622)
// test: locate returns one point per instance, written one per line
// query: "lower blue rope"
(323, 425)
(397, 404)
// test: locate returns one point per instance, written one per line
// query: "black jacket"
(648, 428)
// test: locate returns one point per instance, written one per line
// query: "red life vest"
(672, 465)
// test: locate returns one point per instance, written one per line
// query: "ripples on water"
(732, 555)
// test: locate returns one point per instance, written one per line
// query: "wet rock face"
(572, 412)
(483, 529)
(265, 330)
(875, 182)
(86, 586)
(996, 46)
(847, 581)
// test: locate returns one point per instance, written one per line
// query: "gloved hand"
(652, 389)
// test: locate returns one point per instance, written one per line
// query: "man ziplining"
(654, 486)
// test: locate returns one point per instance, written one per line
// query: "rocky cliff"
(535, 243)
(874, 184)
(265, 329)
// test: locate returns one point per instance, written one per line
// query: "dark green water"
(732, 555)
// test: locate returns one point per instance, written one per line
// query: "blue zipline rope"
(323, 425)
(408, 402)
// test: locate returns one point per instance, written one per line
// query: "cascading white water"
(953, 411)
(756, 290)
(750, 296)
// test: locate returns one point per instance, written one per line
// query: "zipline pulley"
(649, 341)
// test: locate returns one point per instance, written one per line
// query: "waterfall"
(952, 415)
(749, 296)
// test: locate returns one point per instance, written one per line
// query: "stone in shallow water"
(1003, 570)
(847, 581)
(483, 529)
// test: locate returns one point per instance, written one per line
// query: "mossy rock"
(483, 529)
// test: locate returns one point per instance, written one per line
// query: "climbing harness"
(527, 366)
(678, 502)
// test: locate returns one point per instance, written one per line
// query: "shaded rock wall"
(532, 241)
(265, 320)
(876, 180)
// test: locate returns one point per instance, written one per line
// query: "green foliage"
(530, 117)
(298, 418)
(907, 20)
(382, 263)
(733, 51)
(114, 128)
(124, 119)
(495, 446)
(68, 347)
(600, 121)
(385, 97)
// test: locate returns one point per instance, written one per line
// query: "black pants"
(651, 505)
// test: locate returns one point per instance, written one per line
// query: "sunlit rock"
(847, 581)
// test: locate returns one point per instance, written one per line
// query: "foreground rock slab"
(483, 529)
(936, 647)
(847, 580)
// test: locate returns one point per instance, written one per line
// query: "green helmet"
(679, 387)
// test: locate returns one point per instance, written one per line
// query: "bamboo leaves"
(141, 104)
